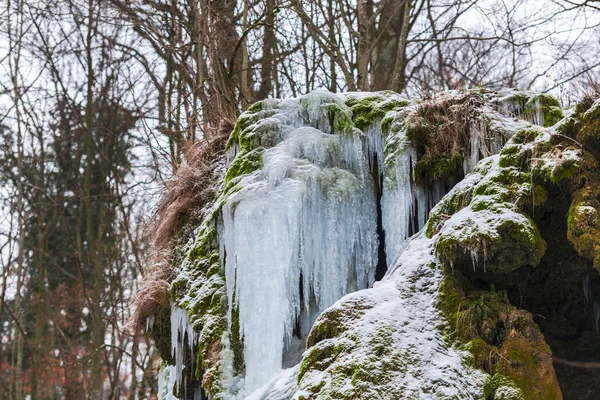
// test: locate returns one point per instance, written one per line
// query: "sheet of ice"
(314, 202)
(398, 200)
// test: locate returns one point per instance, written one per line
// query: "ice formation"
(299, 232)
(166, 382)
(183, 337)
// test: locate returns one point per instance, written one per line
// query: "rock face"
(364, 246)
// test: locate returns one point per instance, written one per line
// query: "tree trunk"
(385, 54)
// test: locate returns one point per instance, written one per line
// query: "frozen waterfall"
(298, 235)
(300, 231)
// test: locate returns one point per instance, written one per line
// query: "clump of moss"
(457, 199)
(546, 106)
(583, 220)
(255, 128)
(244, 163)
(584, 214)
(367, 110)
(200, 291)
(502, 340)
(335, 320)
(538, 108)
(495, 229)
(586, 128)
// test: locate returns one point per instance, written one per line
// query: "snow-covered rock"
(277, 296)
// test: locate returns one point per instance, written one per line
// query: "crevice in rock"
(382, 266)
(563, 295)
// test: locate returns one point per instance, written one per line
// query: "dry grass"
(439, 129)
(590, 93)
(190, 190)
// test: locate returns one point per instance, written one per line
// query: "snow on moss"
(538, 108)
(387, 341)
(495, 228)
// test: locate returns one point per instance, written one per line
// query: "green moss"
(256, 107)
(521, 362)
(438, 169)
(386, 124)
(243, 164)
(547, 105)
(583, 223)
(540, 195)
(453, 202)
(321, 356)
(481, 353)
(499, 387)
(200, 290)
(587, 130)
(509, 243)
(248, 133)
(502, 340)
(333, 322)
(243, 122)
(527, 135)
(370, 109)
(540, 108)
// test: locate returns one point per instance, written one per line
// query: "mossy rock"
(538, 108)
(525, 359)
(244, 163)
(583, 221)
(371, 109)
(513, 240)
(458, 198)
(502, 340)
(547, 105)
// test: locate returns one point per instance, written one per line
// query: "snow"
(404, 303)
(283, 386)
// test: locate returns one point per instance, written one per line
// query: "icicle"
(166, 383)
(180, 330)
(375, 145)
(587, 287)
(474, 258)
(538, 116)
(597, 315)
(198, 393)
(149, 322)
(397, 202)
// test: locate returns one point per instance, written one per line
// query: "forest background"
(107, 106)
